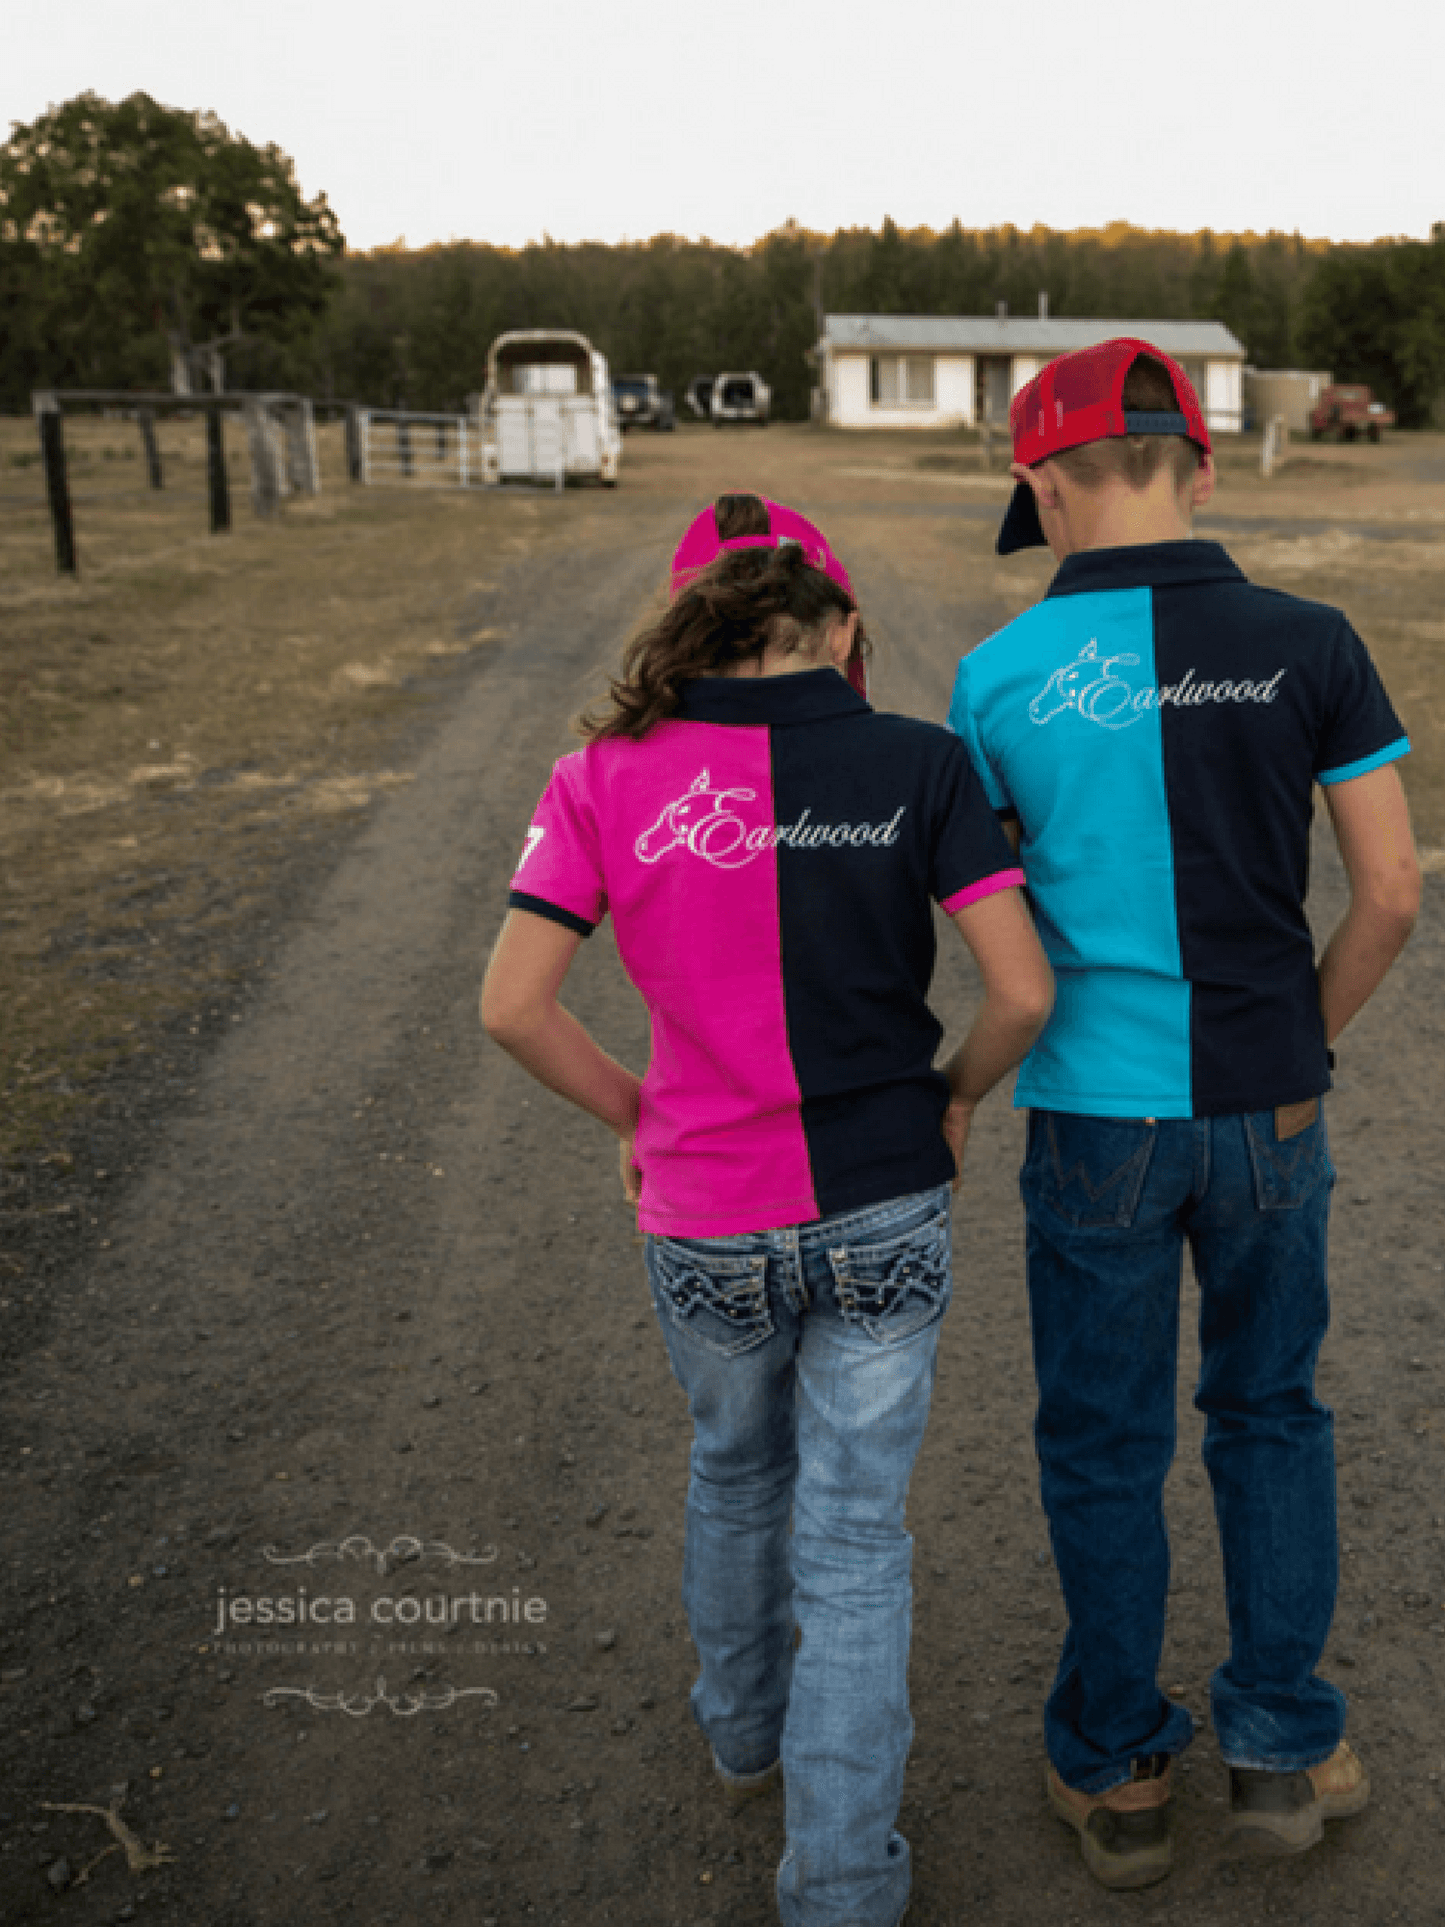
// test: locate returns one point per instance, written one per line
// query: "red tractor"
(1348, 410)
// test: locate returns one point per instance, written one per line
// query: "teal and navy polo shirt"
(1156, 725)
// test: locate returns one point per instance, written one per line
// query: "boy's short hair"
(1135, 459)
(1116, 411)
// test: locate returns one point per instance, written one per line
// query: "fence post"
(52, 450)
(354, 468)
(265, 493)
(218, 485)
(462, 450)
(363, 424)
(403, 446)
(1275, 443)
(275, 414)
(146, 417)
(299, 420)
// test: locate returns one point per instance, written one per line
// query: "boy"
(1150, 734)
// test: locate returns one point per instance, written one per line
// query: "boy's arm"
(521, 1012)
(1018, 988)
(1372, 826)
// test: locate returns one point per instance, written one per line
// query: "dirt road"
(364, 1338)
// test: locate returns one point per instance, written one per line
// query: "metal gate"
(400, 445)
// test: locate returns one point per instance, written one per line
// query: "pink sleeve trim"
(985, 887)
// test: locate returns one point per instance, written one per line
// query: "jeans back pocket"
(1287, 1171)
(719, 1298)
(1089, 1170)
(894, 1289)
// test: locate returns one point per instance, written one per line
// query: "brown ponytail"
(747, 601)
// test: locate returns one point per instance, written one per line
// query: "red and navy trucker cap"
(1079, 398)
(701, 546)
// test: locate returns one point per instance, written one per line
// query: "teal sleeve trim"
(1365, 764)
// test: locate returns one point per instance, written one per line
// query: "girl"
(770, 849)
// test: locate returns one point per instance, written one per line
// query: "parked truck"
(740, 398)
(642, 403)
(699, 396)
(547, 413)
(1347, 410)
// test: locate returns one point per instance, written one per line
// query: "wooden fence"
(280, 435)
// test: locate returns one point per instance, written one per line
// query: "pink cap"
(702, 545)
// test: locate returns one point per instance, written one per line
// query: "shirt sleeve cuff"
(554, 913)
(985, 887)
(1347, 771)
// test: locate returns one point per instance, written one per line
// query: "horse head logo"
(1089, 685)
(701, 819)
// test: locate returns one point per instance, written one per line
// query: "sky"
(435, 120)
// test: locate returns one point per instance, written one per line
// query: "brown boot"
(1286, 1812)
(1124, 1833)
(741, 1789)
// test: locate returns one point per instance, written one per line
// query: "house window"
(1198, 373)
(901, 381)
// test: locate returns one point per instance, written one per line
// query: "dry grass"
(180, 717)
(178, 721)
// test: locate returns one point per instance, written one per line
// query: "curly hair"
(745, 602)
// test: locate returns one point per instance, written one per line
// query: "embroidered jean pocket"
(720, 1299)
(893, 1290)
(1089, 1170)
(1288, 1171)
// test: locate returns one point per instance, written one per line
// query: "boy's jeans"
(807, 1356)
(1110, 1203)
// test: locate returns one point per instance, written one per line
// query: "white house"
(950, 371)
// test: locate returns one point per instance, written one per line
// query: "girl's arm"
(1018, 995)
(520, 1010)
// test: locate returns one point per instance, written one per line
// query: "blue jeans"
(1110, 1203)
(807, 1356)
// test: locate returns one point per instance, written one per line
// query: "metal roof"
(1020, 334)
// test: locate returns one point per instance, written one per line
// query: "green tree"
(1417, 286)
(145, 227)
(1236, 301)
(1377, 314)
(417, 323)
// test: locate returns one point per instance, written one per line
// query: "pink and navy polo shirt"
(770, 857)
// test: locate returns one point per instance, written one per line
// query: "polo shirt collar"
(809, 696)
(1144, 565)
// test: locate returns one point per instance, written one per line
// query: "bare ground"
(330, 1301)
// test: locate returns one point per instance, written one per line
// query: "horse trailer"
(547, 412)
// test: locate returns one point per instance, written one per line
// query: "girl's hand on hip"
(957, 1120)
(631, 1172)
